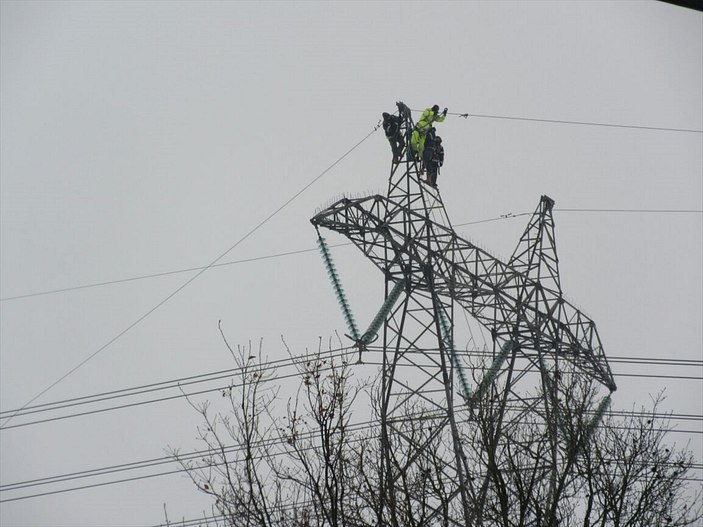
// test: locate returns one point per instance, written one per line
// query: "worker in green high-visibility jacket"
(428, 117)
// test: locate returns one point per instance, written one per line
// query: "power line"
(141, 403)
(137, 465)
(165, 273)
(166, 473)
(274, 364)
(263, 368)
(123, 392)
(223, 264)
(581, 123)
(637, 211)
(199, 273)
(262, 444)
(507, 216)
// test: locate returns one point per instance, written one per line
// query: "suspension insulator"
(597, 418)
(380, 317)
(492, 372)
(568, 432)
(449, 343)
(337, 286)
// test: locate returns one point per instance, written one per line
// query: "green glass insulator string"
(338, 290)
(589, 428)
(380, 317)
(492, 372)
(449, 343)
(596, 421)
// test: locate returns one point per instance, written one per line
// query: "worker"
(431, 115)
(428, 117)
(391, 125)
(427, 148)
(434, 158)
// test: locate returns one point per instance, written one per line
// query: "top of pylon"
(549, 202)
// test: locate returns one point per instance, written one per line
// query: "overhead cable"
(226, 375)
(562, 121)
(506, 216)
(199, 273)
(226, 449)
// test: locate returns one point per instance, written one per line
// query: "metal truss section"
(537, 336)
(520, 301)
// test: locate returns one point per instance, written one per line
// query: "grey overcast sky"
(140, 138)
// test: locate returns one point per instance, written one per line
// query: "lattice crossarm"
(493, 293)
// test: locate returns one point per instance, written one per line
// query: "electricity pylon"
(536, 333)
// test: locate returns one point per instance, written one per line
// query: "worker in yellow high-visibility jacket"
(428, 117)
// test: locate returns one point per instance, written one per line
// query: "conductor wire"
(194, 277)
(582, 123)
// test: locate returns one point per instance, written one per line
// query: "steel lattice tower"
(536, 333)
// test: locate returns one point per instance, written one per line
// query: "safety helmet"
(435, 108)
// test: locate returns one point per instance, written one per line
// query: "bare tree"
(634, 478)
(300, 460)
(317, 441)
(607, 471)
(236, 466)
